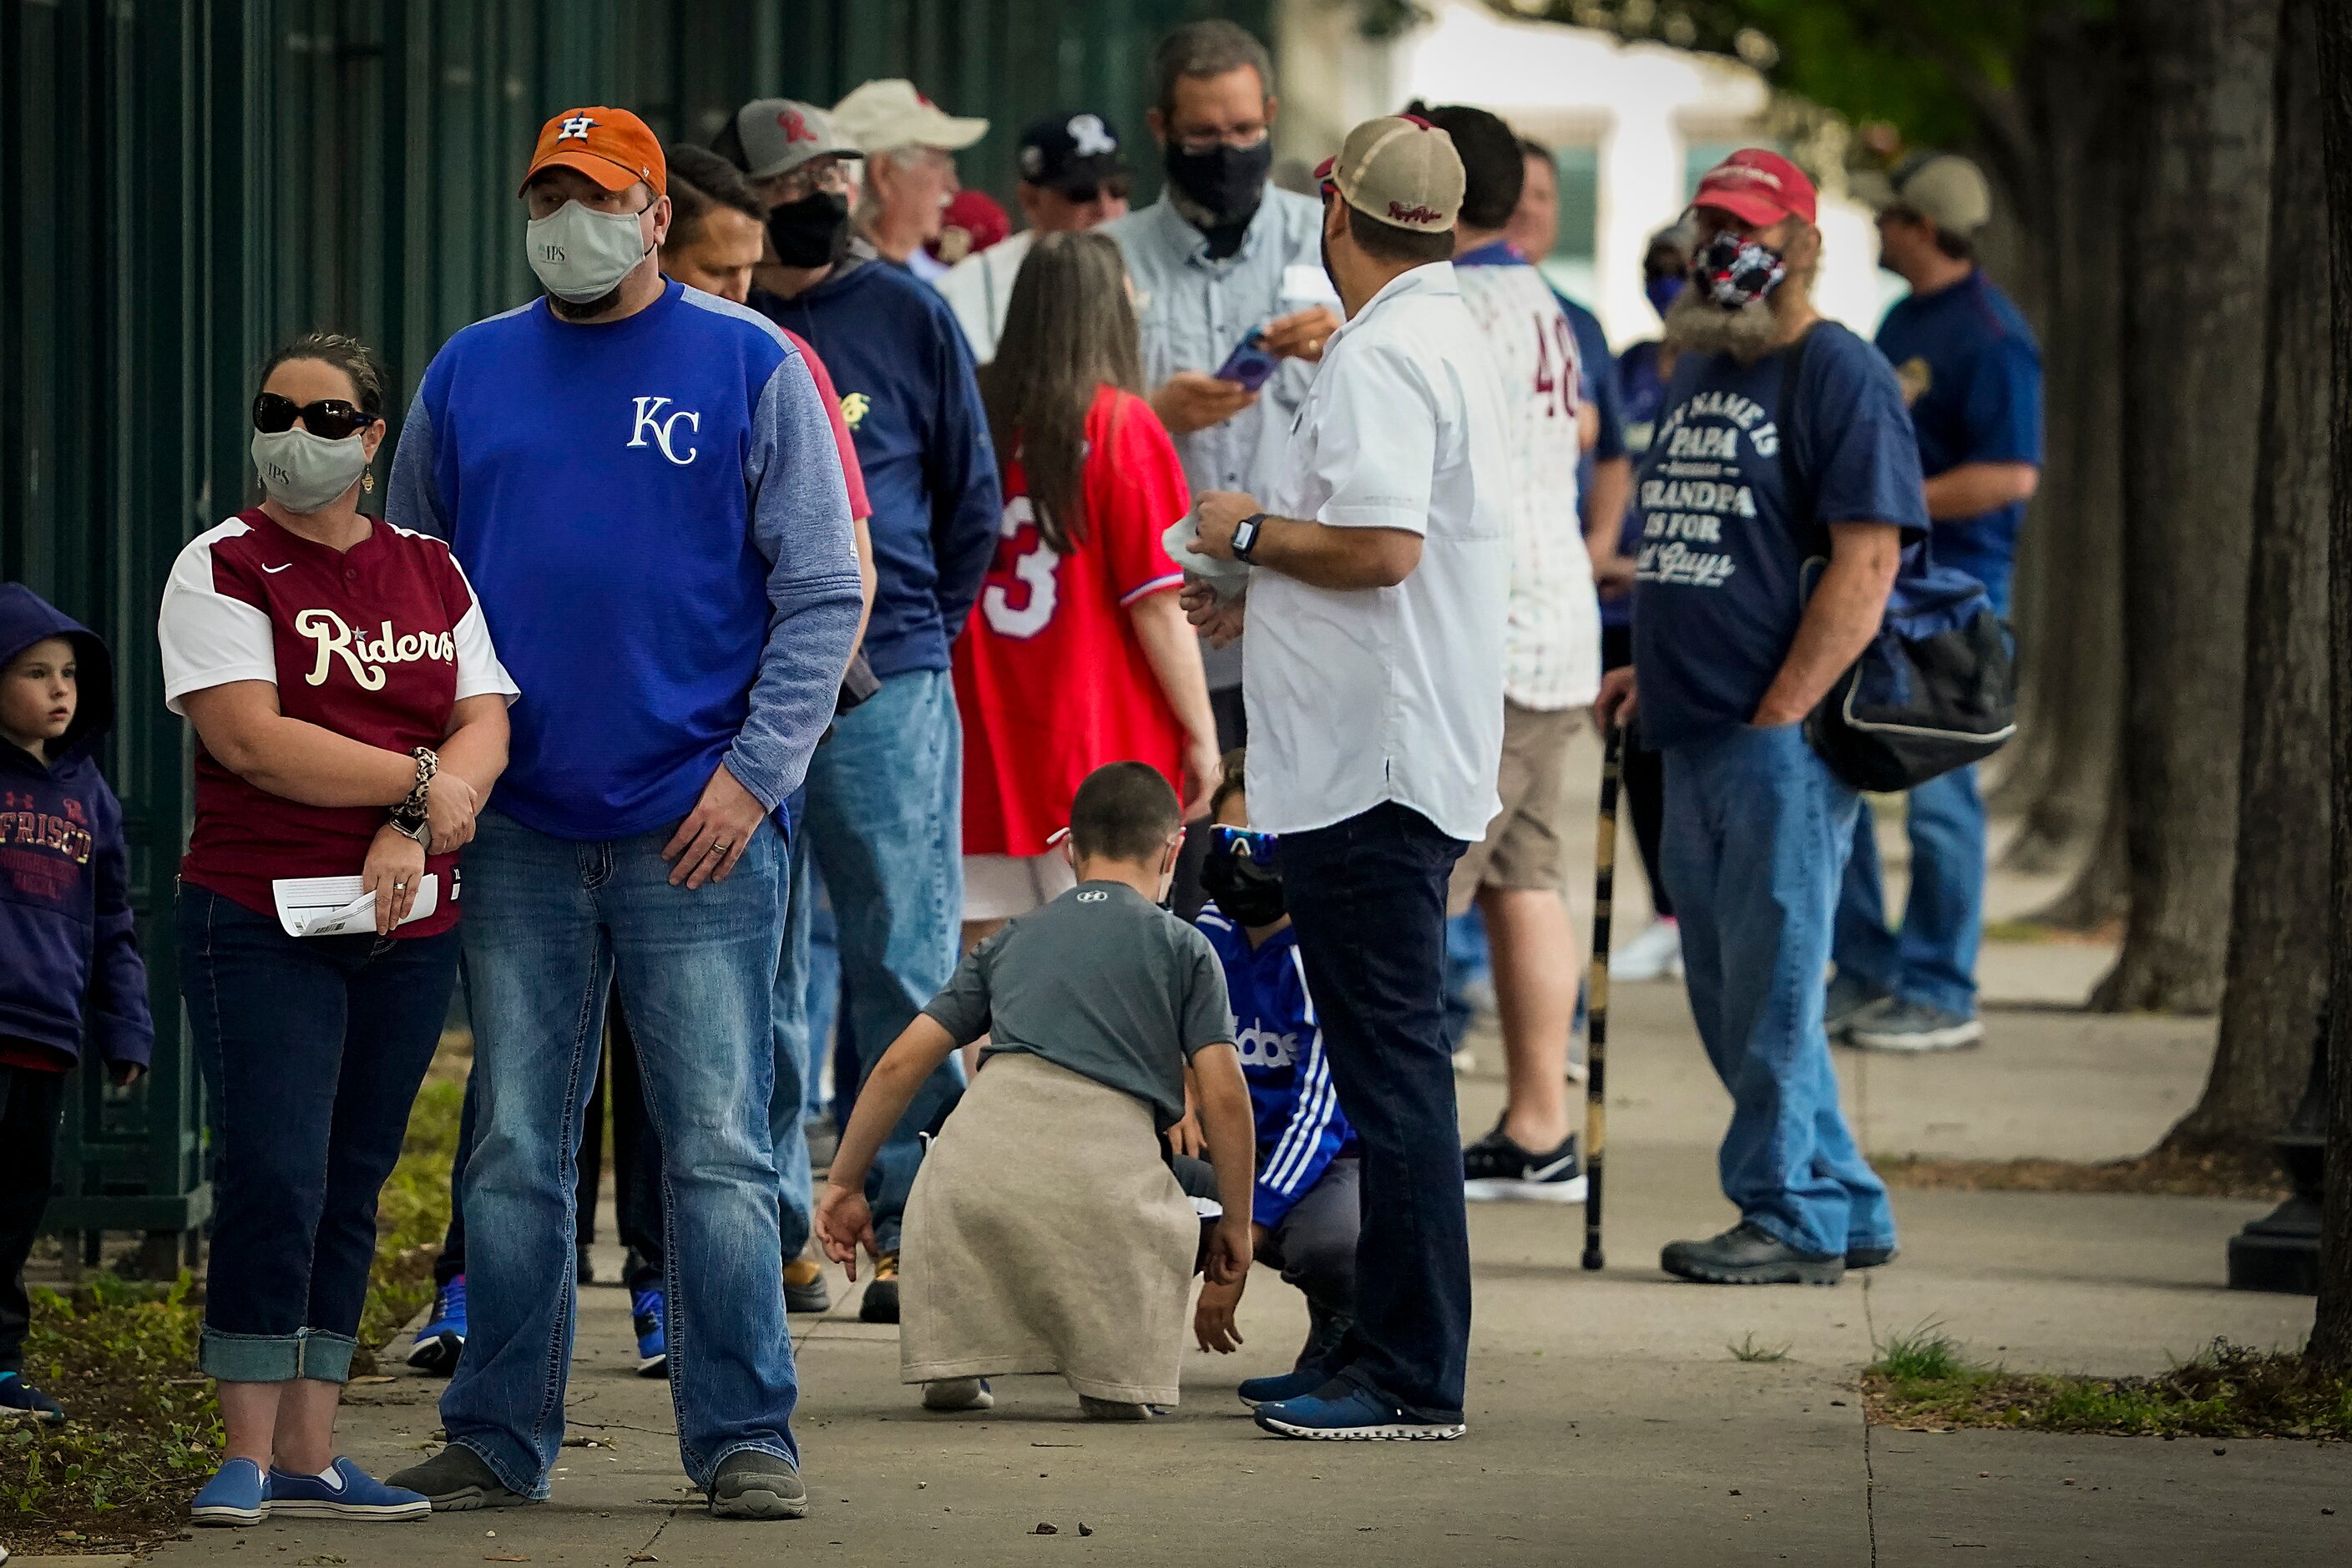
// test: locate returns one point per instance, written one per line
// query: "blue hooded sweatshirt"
(70, 967)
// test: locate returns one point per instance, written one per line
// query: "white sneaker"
(1652, 955)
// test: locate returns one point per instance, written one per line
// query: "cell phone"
(1249, 367)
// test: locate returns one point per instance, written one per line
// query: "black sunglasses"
(330, 418)
(1117, 187)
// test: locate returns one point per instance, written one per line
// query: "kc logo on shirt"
(663, 427)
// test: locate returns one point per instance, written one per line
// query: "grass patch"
(1924, 1380)
(2164, 1173)
(122, 1357)
(1747, 1347)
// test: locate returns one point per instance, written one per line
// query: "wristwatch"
(1246, 535)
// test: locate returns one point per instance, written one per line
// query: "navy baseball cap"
(1063, 151)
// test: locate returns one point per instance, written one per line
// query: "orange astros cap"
(1400, 169)
(611, 146)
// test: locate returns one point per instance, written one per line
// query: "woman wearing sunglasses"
(350, 717)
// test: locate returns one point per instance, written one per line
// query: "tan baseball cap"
(1400, 169)
(888, 114)
(1946, 189)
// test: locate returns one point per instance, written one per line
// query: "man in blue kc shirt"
(1730, 653)
(1972, 375)
(883, 815)
(640, 481)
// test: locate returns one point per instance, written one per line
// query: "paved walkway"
(1608, 1421)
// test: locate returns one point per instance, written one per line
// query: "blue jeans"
(1757, 833)
(1367, 896)
(882, 824)
(313, 1050)
(1933, 959)
(549, 924)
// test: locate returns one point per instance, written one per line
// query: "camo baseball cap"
(1400, 169)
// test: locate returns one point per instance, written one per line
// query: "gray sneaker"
(1848, 1000)
(755, 1485)
(456, 1481)
(1913, 1026)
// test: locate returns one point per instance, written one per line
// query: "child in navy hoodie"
(69, 970)
(1307, 1206)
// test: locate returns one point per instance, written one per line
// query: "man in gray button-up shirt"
(1220, 254)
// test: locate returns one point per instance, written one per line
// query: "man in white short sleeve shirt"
(1374, 613)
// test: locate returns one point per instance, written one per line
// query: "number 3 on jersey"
(1019, 597)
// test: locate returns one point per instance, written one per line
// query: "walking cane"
(1596, 1107)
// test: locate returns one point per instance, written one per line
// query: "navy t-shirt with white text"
(1971, 372)
(1719, 579)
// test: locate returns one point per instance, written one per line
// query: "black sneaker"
(1747, 1255)
(881, 1302)
(1495, 1169)
(458, 1481)
(1869, 1257)
(752, 1484)
(20, 1401)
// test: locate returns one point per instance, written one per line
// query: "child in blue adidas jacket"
(1307, 1205)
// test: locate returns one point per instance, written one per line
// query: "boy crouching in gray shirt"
(1046, 1232)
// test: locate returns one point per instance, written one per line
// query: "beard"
(1696, 325)
(582, 309)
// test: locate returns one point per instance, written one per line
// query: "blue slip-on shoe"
(345, 1491)
(1350, 1415)
(1285, 1386)
(647, 1314)
(238, 1494)
(437, 1344)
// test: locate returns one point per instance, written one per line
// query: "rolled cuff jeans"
(883, 822)
(1932, 959)
(1757, 833)
(1366, 898)
(549, 924)
(313, 1050)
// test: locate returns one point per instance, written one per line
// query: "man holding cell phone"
(1230, 288)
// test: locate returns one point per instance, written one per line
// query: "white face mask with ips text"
(580, 255)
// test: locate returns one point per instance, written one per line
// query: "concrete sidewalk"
(1608, 1421)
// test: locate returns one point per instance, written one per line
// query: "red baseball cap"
(1756, 188)
(611, 146)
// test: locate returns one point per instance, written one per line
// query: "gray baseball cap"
(773, 136)
(1945, 188)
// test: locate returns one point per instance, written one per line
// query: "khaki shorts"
(1522, 847)
(998, 886)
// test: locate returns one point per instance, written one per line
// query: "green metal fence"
(188, 182)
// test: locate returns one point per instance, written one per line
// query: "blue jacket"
(69, 966)
(1300, 1128)
(904, 372)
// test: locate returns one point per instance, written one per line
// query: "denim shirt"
(1194, 310)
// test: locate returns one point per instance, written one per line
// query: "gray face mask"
(303, 472)
(580, 255)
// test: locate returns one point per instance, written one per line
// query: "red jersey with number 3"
(1051, 679)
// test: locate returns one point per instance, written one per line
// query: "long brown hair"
(1069, 329)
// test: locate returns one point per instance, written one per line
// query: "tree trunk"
(2331, 1333)
(2071, 567)
(2279, 951)
(2192, 305)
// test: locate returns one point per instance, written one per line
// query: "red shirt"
(1050, 675)
(860, 508)
(377, 643)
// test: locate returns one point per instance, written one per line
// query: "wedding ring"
(400, 887)
(723, 845)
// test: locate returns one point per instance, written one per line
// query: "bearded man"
(1782, 485)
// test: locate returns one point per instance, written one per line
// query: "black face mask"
(1248, 892)
(810, 232)
(1226, 182)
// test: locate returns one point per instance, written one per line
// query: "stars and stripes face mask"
(1733, 271)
